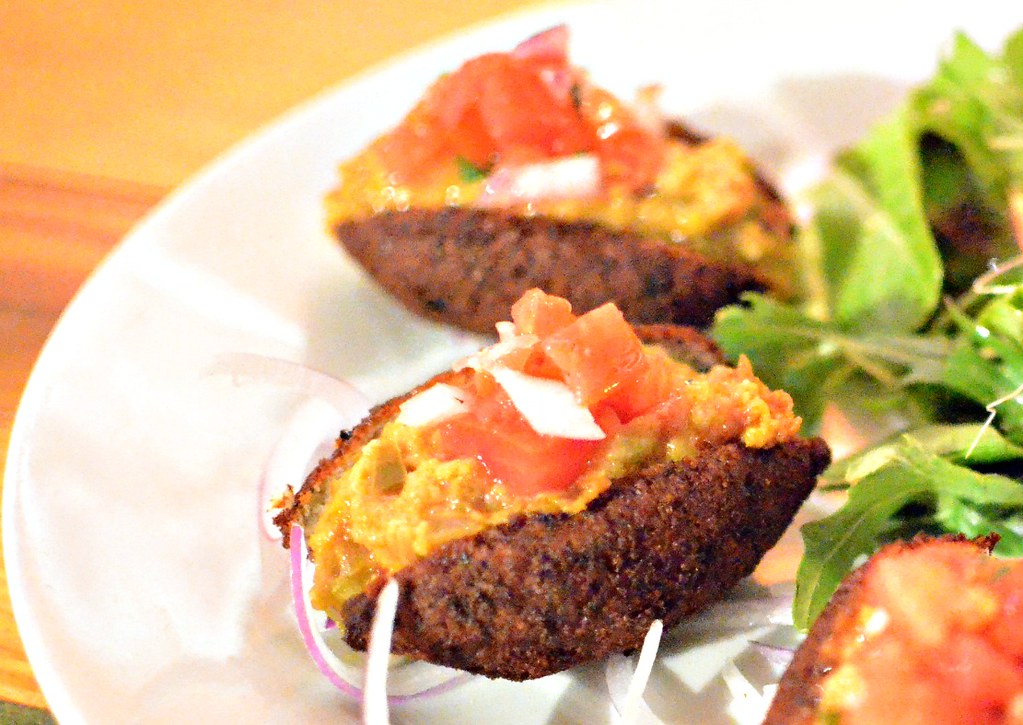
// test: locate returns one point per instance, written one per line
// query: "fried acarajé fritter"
(927, 631)
(515, 171)
(542, 504)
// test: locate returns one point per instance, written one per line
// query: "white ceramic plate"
(142, 587)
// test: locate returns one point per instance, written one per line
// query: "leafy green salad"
(912, 323)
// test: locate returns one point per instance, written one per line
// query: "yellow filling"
(398, 502)
(705, 197)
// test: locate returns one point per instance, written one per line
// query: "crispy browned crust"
(799, 692)
(546, 593)
(303, 508)
(466, 267)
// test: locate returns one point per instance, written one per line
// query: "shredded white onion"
(748, 706)
(777, 655)
(438, 402)
(625, 683)
(374, 701)
(549, 406)
(571, 177)
(410, 681)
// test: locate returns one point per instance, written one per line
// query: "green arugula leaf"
(973, 444)
(957, 105)
(987, 366)
(878, 249)
(815, 361)
(911, 475)
(973, 521)
(916, 210)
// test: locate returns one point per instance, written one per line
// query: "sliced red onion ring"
(408, 681)
(571, 177)
(334, 405)
(340, 675)
(550, 43)
(625, 684)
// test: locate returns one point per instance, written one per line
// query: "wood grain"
(55, 227)
(152, 91)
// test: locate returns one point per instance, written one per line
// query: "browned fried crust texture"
(546, 593)
(799, 692)
(466, 267)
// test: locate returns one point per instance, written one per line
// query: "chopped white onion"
(509, 344)
(549, 406)
(506, 330)
(647, 110)
(374, 701)
(626, 684)
(438, 402)
(571, 177)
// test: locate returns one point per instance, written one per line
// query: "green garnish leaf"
(913, 213)
(816, 361)
(468, 172)
(973, 444)
(910, 475)
(877, 248)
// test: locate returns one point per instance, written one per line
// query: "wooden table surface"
(109, 104)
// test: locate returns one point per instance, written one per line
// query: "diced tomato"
(538, 313)
(597, 353)
(526, 106)
(973, 673)
(632, 157)
(658, 392)
(916, 597)
(1007, 630)
(526, 121)
(527, 463)
(412, 149)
